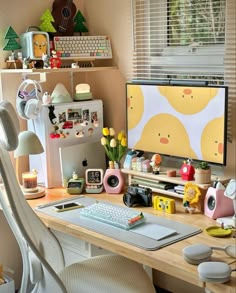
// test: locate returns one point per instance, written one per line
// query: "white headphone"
(28, 99)
(209, 271)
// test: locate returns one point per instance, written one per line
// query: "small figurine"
(55, 61)
(187, 171)
(25, 63)
(46, 61)
(75, 176)
(47, 99)
(191, 198)
(155, 163)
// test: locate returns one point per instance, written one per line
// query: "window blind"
(230, 65)
(185, 40)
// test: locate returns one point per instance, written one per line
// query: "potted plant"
(203, 173)
(115, 148)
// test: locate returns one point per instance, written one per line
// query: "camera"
(164, 204)
(137, 195)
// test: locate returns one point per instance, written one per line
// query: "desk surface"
(168, 260)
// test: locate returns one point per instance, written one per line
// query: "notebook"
(78, 158)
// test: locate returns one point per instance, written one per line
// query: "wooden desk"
(168, 260)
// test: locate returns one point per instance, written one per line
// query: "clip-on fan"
(230, 192)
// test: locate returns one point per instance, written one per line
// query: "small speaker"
(216, 204)
(113, 181)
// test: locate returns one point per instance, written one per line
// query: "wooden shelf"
(151, 179)
(58, 70)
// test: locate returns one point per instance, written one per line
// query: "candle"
(29, 181)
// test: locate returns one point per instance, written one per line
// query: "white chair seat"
(106, 274)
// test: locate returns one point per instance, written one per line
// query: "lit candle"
(29, 180)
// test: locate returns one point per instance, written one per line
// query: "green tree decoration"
(11, 44)
(46, 22)
(79, 23)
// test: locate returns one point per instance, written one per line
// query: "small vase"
(113, 181)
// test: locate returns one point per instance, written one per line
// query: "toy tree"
(46, 24)
(11, 44)
(79, 23)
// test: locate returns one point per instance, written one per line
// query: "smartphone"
(67, 206)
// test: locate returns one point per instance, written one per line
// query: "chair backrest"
(41, 252)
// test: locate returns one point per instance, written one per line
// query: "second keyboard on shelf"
(114, 215)
(72, 47)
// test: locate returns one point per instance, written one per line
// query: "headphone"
(209, 271)
(28, 99)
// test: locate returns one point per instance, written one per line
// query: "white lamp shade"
(29, 144)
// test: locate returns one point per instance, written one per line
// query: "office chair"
(43, 261)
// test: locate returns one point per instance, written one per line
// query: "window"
(186, 40)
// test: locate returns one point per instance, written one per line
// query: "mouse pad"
(178, 230)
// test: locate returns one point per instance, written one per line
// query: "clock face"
(185, 169)
(94, 176)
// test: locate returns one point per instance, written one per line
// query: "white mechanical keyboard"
(72, 47)
(114, 215)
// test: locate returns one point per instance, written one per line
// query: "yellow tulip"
(105, 131)
(123, 142)
(120, 135)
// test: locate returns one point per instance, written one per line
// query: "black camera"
(137, 195)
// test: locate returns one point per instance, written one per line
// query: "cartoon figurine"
(155, 163)
(46, 98)
(187, 171)
(75, 176)
(191, 198)
(55, 61)
(46, 61)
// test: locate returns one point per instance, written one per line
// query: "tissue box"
(8, 287)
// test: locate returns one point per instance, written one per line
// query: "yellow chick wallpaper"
(186, 122)
(195, 98)
(165, 130)
(135, 105)
(212, 144)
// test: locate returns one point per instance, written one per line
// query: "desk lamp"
(29, 144)
(230, 192)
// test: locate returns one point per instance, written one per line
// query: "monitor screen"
(178, 120)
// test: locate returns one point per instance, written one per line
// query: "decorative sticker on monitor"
(180, 121)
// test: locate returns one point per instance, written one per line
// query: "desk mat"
(127, 236)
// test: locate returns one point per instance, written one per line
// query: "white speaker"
(29, 99)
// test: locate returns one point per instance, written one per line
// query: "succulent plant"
(203, 165)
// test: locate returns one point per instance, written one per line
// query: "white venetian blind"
(230, 65)
(190, 40)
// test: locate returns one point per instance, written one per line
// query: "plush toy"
(191, 199)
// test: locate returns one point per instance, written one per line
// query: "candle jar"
(29, 182)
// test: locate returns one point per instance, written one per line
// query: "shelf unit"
(150, 180)
(153, 179)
